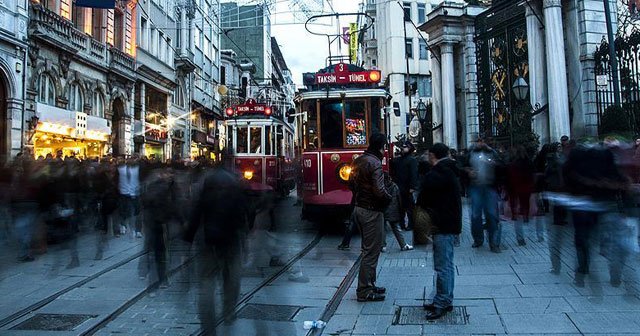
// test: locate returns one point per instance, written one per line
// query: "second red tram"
(341, 109)
(262, 145)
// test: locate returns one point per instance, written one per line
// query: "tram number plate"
(307, 163)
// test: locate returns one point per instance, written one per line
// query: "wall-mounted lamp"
(18, 67)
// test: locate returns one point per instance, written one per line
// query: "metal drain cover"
(53, 322)
(268, 312)
(412, 315)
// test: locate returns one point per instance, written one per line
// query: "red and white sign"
(342, 75)
(251, 107)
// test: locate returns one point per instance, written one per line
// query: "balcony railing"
(121, 61)
(58, 31)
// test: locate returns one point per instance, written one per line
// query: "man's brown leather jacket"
(367, 183)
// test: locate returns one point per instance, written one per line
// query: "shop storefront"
(155, 141)
(66, 133)
(203, 145)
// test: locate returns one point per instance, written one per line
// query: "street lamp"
(422, 111)
(520, 88)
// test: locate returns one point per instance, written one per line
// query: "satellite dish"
(414, 127)
(222, 89)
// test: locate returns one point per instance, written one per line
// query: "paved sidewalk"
(508, 293)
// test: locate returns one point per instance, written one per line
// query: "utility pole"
(407, 85)
(612, 54)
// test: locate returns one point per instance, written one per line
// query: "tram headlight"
(344, 172)
(247, 174)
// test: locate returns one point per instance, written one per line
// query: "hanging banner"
(107, 4)
(353, 42)
(346, 35)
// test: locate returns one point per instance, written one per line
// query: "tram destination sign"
(251, 107)
(342, 75)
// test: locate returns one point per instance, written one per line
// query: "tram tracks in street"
(38, 305)
(269, 280)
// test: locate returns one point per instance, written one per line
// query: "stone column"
(556, 70)
(471, 86)
(450, 136)
(537, 71)
(436, 84)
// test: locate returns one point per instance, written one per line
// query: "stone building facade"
(13, 60)
(485, 54)
(80, 79)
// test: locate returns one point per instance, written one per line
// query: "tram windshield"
(342, 124)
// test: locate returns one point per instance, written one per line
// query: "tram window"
(331, 124)
(311, 125)
(376, 120)
(355, 122)
(242, 138)
(256, 140)
(268, 140)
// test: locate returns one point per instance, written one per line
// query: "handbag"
(422, 225)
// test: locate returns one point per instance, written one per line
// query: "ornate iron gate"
(628, 55)
(502, 59)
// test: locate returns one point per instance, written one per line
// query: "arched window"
(98, 104)
(178, 96)
(76, 101)
(47, 94)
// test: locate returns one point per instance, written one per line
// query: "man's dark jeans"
(444, 269)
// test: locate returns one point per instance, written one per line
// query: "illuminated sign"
(251, 107)
(342, 75)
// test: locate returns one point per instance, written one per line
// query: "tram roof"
(346, 93)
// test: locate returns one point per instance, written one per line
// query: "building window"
(76, 101)
(422, 13)
(118, 22)
(65, 9)
(47, 93)
(178, 97)
(98, 24)
(424, 86)
(82, 19)
(407, 11)
(169, 53)
(160, 47)
(50, 5)
(179, 30)
(408, 45)
(98, 104)
(424, 51)
(143, 33)
(223, 75)
(152, 47)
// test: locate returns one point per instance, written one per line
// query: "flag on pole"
(108, 4)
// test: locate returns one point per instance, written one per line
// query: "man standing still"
(440, 196)
(371, 198)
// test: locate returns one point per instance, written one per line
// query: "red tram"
(262, 145)
(342, 107)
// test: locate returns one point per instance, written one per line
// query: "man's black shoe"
(372, 297)
(431, 307)
(435, 314)
(476, 245)
(379, 290)
(496, 249)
